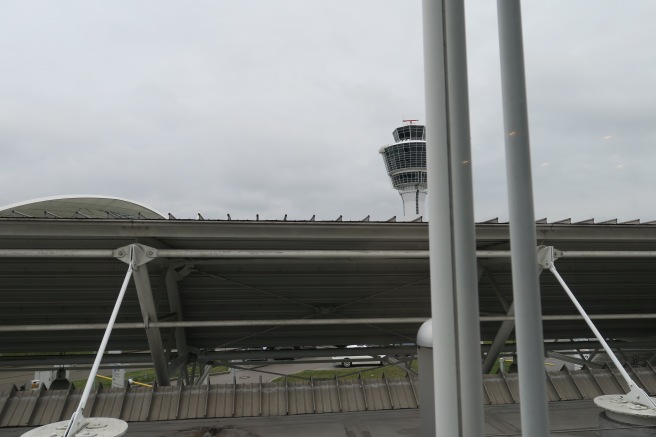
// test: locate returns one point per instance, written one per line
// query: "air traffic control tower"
(405, 161)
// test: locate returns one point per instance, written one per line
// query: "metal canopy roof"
(252, 285)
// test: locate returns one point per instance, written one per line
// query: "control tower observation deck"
(405, 161)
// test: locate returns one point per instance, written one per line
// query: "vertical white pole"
(526, 287)
(452, 240)
(464, 234)
(440, 231)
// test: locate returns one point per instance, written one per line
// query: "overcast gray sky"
(279, 107)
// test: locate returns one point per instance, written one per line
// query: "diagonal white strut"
(636, 394)
(77, 419)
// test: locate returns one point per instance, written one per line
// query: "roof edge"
(78, 196)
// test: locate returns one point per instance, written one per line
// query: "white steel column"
(440, 232)
(526, 288)
(464, 226)
(454, 288)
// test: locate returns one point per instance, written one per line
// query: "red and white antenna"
(409, 121)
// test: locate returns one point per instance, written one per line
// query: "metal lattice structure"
(240, 284)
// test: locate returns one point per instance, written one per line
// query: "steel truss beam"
(574, 360)
(300, 254)
(41, 362)
(502, 336)
(301, 322)
(149, 313)
(171, 278)
(204, 375)
(505, 330)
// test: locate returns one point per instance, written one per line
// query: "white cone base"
(623, 410)
(94, 427)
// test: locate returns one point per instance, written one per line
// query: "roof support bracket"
(547, 256)
(141, 254)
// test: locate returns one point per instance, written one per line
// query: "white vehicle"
(348, 361)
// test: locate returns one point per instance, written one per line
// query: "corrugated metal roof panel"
(648, 378)
(222, 400)
(497, 389)
(326, 396)
(5, 404)
(512, 381)
(274, 399)
(219, 403)
(33, 408)
(20, 408)
(299, 395)
(552, 389)
(347, 398)
(403, 393)
(607, 382)
(164, 403)
(192, 402)
(137, 404)
(564, 386)
(586, 384)
(50, 406)
(247, 401)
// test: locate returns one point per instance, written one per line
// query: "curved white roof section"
(80, 206)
